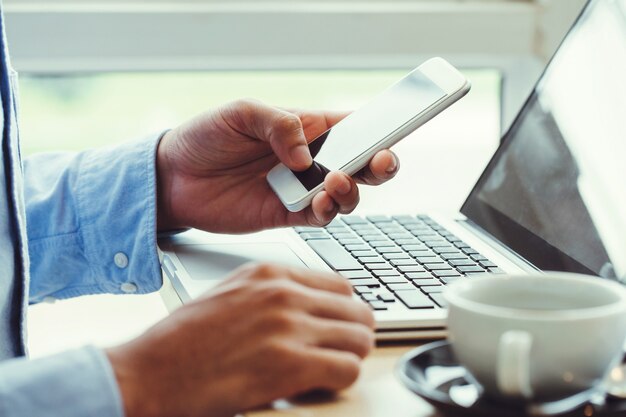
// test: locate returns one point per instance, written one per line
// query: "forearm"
(77, 383)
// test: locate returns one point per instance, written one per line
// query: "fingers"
(282, 130)
(383, 167)
(327, 369)
(343, 190)
(318, 280)
(322, 210)
(344, 336)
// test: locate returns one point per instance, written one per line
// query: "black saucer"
(432, 372)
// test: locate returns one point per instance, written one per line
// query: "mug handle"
(513, 364)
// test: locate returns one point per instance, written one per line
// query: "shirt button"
(128, 287)
(121, 260)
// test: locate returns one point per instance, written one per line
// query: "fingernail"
(394, 165)
(344, 187)
(300, 155)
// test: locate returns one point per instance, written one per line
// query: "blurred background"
(96, 73)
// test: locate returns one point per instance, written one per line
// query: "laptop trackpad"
(211, 262)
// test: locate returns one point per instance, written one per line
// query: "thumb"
(281, 129)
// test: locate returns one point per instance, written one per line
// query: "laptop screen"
(555, 191)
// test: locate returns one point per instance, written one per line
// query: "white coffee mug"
(538, 337)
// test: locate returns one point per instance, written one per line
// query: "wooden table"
(377, 393)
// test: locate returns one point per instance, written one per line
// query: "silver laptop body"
(552, 197)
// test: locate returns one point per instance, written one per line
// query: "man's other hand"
(268, 332)
(211, 170)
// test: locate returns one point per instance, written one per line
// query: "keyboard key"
(372, 259)
(365, 226)
(337, 229)
(450, 256)
(471, 274)
(415, 299)
(399, 262)
(307, 229)
(433, 289)
(345, 235)
(418, 275)
(394, 280)
(429, 259)
(406, 242)
(448, 250)
(379, 219)
(487, 264)
(316, 235)
(385, 273)
(415, 247)
(437, 266)
(364, 253)
(470, 251)
(389, 249)
(396, 255)
(462, 262)
(353, 220)
(422, 252)
(372, 236)
(496, 271)
(346, 242)
(366, 282)
(402, 219)
(334, 255)
(401, 235)
(362, 290)
(470, 269)
(450, 280)
(411, 268)
(369, 297)
(356, 274)
(378, 305)
(446, 273)
(439, 300)
(478, 257)
(401, 287)
(377, 266)
(430, 282)
(360, 246)
(382, 243)
(387, 297)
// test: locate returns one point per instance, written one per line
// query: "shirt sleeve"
(78, 383)
(91, 221)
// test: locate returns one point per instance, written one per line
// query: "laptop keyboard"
(400, 259)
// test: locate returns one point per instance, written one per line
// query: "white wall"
(518, 36)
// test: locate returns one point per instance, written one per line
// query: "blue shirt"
(70, 224)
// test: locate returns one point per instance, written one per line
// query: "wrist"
(165, 218)
(132, 384)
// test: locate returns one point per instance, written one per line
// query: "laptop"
(553, 197)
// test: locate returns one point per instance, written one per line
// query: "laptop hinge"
(498, 246)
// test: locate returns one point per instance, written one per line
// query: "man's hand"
(268, 332)
(211, 170)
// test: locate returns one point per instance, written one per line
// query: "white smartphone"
(350, 144)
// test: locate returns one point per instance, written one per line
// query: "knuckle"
(284, 322)
(245, 103)
(279, 293)
(364, 339)
(264, 270)
(343, 285)
(288, 123)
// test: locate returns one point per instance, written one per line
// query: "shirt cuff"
(119, 233)
(78, 383)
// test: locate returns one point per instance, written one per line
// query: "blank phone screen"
(368, 126)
